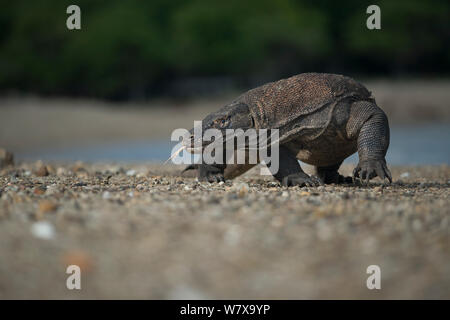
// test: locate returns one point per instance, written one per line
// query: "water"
(426, 144)
(417, 145)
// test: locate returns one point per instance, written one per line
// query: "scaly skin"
(322, 119)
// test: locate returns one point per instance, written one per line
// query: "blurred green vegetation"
(133, 49)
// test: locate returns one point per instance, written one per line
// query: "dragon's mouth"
(195, 145)
(196, 142)
(190, 146)
(198, 145)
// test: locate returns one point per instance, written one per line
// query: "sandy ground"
(144, 231)
(35, 124)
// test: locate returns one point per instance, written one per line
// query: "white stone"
(131, 173)
(43, 230)
(106, 195)
(404, 175)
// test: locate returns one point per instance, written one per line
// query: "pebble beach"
(145, 231)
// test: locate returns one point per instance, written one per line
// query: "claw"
(369, 169)
(317, 181)
(298, 179)
(380, 171)
(214, 178)
(388, 173)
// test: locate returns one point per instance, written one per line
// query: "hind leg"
(330, 174)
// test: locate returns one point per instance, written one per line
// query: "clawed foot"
(368, 169)
(212, 178)
(207, 173)
(301, 179)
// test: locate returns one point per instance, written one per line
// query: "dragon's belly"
(328, 149)
(323, 158)
(324, 141)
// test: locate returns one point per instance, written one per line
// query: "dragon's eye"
(222, 122)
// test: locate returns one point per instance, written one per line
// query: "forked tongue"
(175, 154)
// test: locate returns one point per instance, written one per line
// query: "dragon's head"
(233, 116)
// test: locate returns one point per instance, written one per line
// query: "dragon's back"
(278, 104)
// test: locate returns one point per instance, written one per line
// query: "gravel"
(145, 231)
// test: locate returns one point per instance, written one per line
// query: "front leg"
(373, 142)
(290, 172)
(208, 172)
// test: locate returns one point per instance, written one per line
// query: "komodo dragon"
(322, 119)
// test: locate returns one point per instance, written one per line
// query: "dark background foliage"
(139, 49)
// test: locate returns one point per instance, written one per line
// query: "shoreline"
(35, 123)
